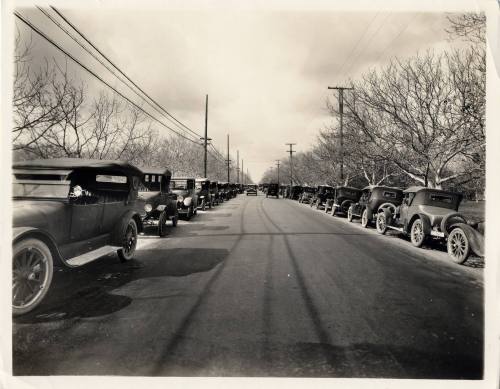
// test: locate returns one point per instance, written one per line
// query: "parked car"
(342, 199)
(203, 193)
(68, 212)
(295, 192)
(432, 213)
(160, 204)
(322, 195)
(225, 191)
(214, 191)
(251, 190)
(374, 199)
(187, 200)
(273, 190)
(307, 194)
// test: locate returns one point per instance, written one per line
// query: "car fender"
(444, 223)
(475, 238)
(19, 233)
(119, 230)
(426, 223)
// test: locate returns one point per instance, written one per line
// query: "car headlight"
(180, 198)
(202, 197)
(148, 207)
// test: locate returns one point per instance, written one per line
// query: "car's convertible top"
(79, 163)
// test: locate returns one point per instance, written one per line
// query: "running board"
(400, 229)
(91, 256)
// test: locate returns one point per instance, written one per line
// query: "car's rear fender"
(426, 223)
(475, 238)
(20, 233)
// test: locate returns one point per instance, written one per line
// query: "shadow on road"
(87, 291)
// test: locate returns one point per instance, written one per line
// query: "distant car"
(187, 200)
(68, 212)
(224, 191)
(160, 204)
(295, 192)
(251, 190)
(307, 194)
(273, 190)
(432, 213)
(203, 192)
(342, 199)
(374, 199)
(214, 191)
(322, 195)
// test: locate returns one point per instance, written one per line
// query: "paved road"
(261, 287)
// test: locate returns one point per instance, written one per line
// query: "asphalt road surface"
(261, 287)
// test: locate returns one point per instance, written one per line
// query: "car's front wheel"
(349, 214)
(175, 219)
(458, 245)
(417, 235)
(32, 271)
(129, 242)
(162, 224)
(364, 218)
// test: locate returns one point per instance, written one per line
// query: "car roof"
(156, 170)
(371, 187)
(78, 163)
(414, 189)
(202, 179)
(347, 187)
(183, 178)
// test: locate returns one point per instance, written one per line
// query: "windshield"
(45, 189)
(179, 185)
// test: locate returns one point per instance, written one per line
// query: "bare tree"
(468, 26)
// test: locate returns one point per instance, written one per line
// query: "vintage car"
(432, 213)
(273, 190)
(160, 204)
(203, 192)
(295, 192)
(307, 194)
(372, 201)
(69, 212)
(251, 190)
(214, 191)
(187, 200)
(342, 199)
(322, 195)
(224, 191)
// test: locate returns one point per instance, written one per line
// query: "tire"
(417, 235)
(129, 242)
(162, 224)
(458, 245)
(349, 214)
(175, 220)
(203, 206)
(189, 214)
(326, 208)
(334, 210)
(32, 271)
(364, 219)
(317, 204)
(381, 223)
(300, 201)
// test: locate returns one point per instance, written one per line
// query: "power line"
(121, 72)
(40, 33)
(102, 63)
(357, 43)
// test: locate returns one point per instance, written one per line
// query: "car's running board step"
(400, 229)
(91, 256)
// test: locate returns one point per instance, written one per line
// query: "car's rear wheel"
(32, 271)
(364, 218)
(175, 220)
(349, 214)
(203, 205)
(417, 235)
(162, 224)
(458, 245)
(381, 223)
(129, 242)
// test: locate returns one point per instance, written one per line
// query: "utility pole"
(341, 111)
(278, 163)
(228, 160)
(206, 138)
(238, 166)
(242, 172)
(291, 151)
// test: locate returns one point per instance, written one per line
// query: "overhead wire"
(44, 36)
(119, 70)
(102, 63)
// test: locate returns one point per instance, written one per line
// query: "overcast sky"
(266, 73)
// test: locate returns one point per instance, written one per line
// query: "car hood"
(35, 213)
(148, 195)
(435, 214)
